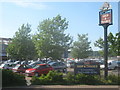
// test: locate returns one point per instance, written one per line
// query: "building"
(3, 45)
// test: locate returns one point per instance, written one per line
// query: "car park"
(24, 62)
(70, 63)
(17, 62)
(114, 64)
(49, 61)
(38, 70)
(59, 66)
(19, 68)
(34, 63)
(7, 66)
(9, 61)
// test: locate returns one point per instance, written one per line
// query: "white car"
(7, 66)
(70, 63)
(114, 65)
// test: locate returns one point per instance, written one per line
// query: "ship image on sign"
(87, 67)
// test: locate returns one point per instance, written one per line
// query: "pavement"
(65, 87)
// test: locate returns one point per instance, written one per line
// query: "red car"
(38, 70)
(20, 68)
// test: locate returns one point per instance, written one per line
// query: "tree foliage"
(113, 44)
(22, 47)
(81, 48)
(51, 41)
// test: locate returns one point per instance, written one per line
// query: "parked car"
(114, 65)
(70, 63)
(7, 66)
(19, 68)
(49, 61)
(24, 62)
(38, 70)
(17, 62)
(34, 63)
(59, 66)
(9, 61)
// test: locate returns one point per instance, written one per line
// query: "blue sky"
(82, 16)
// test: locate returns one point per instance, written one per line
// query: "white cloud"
(36, 5)
(28, 3)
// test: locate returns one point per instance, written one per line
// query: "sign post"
(105, 19)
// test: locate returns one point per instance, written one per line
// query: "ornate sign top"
(106, 6)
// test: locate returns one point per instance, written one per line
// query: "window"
(55, 64)
(110, 63)
(43, 66)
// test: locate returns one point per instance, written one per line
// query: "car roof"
(52, 63)
(42, 64)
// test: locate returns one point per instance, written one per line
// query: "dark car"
(38, 70)
(59, 66)
(20, 68)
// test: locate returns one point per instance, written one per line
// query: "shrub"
(10, 78)
(35, 80)
(55, 76)
(52, 77)
(70, 78)
(87, 79)
(114, 79)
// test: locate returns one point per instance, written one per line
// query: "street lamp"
(105, 19)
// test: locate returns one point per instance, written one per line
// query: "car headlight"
(27, 71)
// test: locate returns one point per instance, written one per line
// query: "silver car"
(59, 66)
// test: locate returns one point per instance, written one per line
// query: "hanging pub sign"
(105, 17)
(87, 67)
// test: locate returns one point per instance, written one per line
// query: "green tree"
(51, 41)
(113, 44)
(22, 47)
(81, 48)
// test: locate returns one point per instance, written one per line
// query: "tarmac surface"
(65, 87)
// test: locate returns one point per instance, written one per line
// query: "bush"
(114, 79)
(70, 78)
(52, 77)
(10, 78)
(87, 79)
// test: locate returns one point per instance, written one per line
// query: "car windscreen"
(37, 66)
(17, 66)
(118, 63)
(11, 65)
(52, 63)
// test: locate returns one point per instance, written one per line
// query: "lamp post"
(105, 19)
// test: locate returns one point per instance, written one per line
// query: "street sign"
(105, 17)
(87, 67)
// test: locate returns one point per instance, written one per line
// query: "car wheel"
(36, 74)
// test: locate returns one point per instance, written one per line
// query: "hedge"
(57, 78)
(10, 78)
